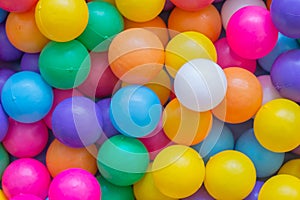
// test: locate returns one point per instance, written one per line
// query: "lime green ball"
(123, 160)
(113, 192)
(64, 65)
(4, 160)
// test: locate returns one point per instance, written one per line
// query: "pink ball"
(228, 58)
(26, 197)
(27, 176)
(25, 140)
(251, 33)
(59, 96)
(75, 184)
(269, 91)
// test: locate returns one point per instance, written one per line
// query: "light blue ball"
(3, 15)
(283, 44)
(135, 110)
(26, 97)
(220, 138)
(266, 162)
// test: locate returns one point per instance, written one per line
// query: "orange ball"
(206, 21)
(184, 126)
(243, 97)
(136, 55)
(60, 157)
(23, 32)
(156, 25)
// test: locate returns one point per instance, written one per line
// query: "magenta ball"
(228, 58)
(74, 184)
(26, 197)
(27, 176)
(25, 140)
(269, 91)
(251, 33)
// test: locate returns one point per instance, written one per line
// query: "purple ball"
(30, 62)
(7, 51)
(4, 75)
(285, 75)
(254, 194)
(77, 122)
(3, 123)
(200, 194)
(168, 5)
(107, 127)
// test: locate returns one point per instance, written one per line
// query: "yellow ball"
(291, 167)
(281, 187)
(277, 125)
(2, 196)
(187, 46)
(61, 21)
(178, 171)
(146, 190)
(230, 175)
(140, 10)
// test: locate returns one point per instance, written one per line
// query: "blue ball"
(26, 97)
(3, 15)
(135, 110)
(266, 162)
(220, 138)
(3, 123)
(283, 44)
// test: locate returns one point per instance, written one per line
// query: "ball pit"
(94, 50)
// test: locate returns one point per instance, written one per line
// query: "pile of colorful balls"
(150, 99)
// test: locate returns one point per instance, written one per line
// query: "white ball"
(200, 85)
(231, 6)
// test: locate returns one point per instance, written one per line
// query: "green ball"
(104, 23)
(4, 160)
(113, 192)
(123, 160)
(64, 65)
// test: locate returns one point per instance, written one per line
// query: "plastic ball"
(135, 110)
(26, 197)
(206, 21)
(3, 123)
(68, 22)
(283, 187)
(156, 25)
(191, 5)
(200, 194)
(261, 157)
(200, 85)
(26, 97)
(185, 47)
(243, 97)
(251, 33)
(4, 160)
(168, 5)
(230, 175)
(74, 184)
(220, 138)
(3, 15)
(56, 56)
(60, 157)
(99, 31)
(30, 62)
(227, 58)
(231, 6)
(140, 11)
(284, 75)
(145, 189)
(2, 196)
(291, 167)
(76, 122)
(283, 44)
(110, 191)
(180, 165)
(285, 17)
(185, 126)
(101, 81)
(275, 118)
(269, 91)
(17, 5)
(4, 75)
(254, 194)
(136, 55)
(25, 140)
(7, 51)
(113, 158)
(27, 176)
(23, 32)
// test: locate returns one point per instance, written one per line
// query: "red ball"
(17, 5)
